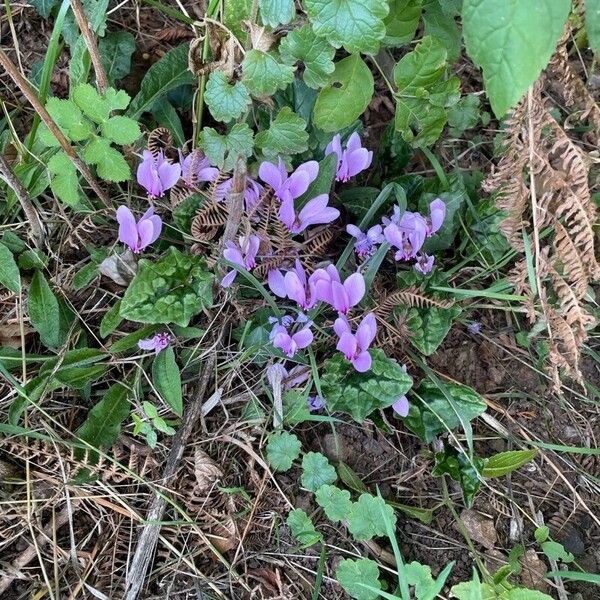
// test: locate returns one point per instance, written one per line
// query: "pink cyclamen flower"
(294, 285)
(315, 403)
(157, 174)
(288, 188)
(352, 160)
(252, 192)
(424, 263)
(196, 168)
(288, 343)
(314, 212)
(366, 243)
(138, 235)
(437, 214)
(243, 255)
(355, 347)
(157, 343)
(401, 406)
(342, 296)
(407, 234)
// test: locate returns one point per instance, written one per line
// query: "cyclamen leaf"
(592, 23)
(171, 290)
(505, 462)
(276, 12)
(355, 24)
(316, 471)
(335, 502)
(111, 319)
(366, 517)
(116, 50)
(44, 312)
(223, 150)
(167, 379)
(110, 163)
(314, 52)
(9, 272)
(286, 135)
(500, 39)
(225, 101)
(430, 326)
(263, 75)
(402, 22)
(43, 7)
(121, 130)
(302, 528)
(346, 96)
(283, 449)
(353, 575)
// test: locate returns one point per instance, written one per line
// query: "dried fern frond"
(160, 140)
(412, 297)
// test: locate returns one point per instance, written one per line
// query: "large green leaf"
(226, 101)
(276, 12)
(354, 575)
(355, 24)
(286, 135)
(169, 72)
(171, 290)
(44, 311)
(316, 471)
(302, 528)
(110, 163)
(359, 394)
(439, 17)
(264, 75)
(223, 150)
(505, 462)
(402, 22)
(167, 379)
(9, 272)
(512, 41)
(346, 95)
(116, 50)
(283, 449)
(368, 517)
(429, 326)
(592, 23)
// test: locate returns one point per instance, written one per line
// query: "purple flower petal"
(366, 331)
(437, 211)
(347, 345)
(145, 233)
(401, 406)
(362, 362)
(303, 338)
(271, 174)
(341, 326)
(276, 282)
(127, 228)
(355, 288)
(287, 214)
(228, 279)
(294, 289)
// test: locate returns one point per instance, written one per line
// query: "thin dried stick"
(92, 46)
(37, 229)
(29, 93)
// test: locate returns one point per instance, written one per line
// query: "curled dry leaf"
(480, 528)
(260, 38)
(10, 334)
(121, 268)
(224, 50)
(206, 471)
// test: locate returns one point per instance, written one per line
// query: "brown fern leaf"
(160, 139)
(208, 220)
(412, 297)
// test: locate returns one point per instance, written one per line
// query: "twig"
(235, 204)
(37, 229)
(90, 42)
(29, 93)
(149, 536)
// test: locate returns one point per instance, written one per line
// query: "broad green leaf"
(556, 551)
(276, 12)
(78, 377)
(335, 502)
(13, 242)
(501, 39)
(73, 359)
(44, 312)
(91, 103)
(43, 7)
(33, 259)
(80, 63)
(169, 72)
(223, 150)
(84, 276)
(9, 272)
(541, 534)
(359, 394)
(316, 471)
(286, 135)
(302, 528)
(65, 180)
(166, 116)
(464, 470)
(592, 23)
(423, 95)
(69, 118)
(402, 22)
(430, 326)
(473, 590)
(346, 95)
(167, 379)
(366, 517)
(111, 319)
(263, 74)
(116, 49)
(355, 24)
(505, 462)
(225, 101)
(121, 130)
(353, 575)
(436, 414)
(110, 163)
(315, 53)
(351, 478)
(170, 290)
(283, 449)
(439, 17)
(103, 423)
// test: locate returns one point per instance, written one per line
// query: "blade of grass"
(576, 576)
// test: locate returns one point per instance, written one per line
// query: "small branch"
(29, 93)
(37, 229)
(235, 201)
(92, 46)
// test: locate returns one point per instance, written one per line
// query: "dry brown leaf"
(206, 471)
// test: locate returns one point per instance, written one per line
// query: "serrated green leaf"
(116, 99)
(110, 163)
(171, 290)
(402, 22)
(302, 528)
(505, 462)
(430, 326)
(315, 53)
(355, 24)
(316, 471)
(91, 103)
(500, 38)
(335, 502)
(353, 575)
(367, 517)
(111, 319)
(65, 179)
(263, 75)
(44, 312)
(473, 590)
(116, 49)
(286, 135)
(46, 137)
(346, 95)
(69, 118)
(439, 18)
(225, 101)
(169, 72)
(283, 449)
(464, 115)
(167, 379)
(276, 12)
(223, 150)
(121, 130)
(9, 272)
(359, 394)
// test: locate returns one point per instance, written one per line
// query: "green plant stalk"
(437, 167)
(320, 571)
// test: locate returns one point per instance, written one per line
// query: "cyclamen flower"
(243, 255)
(355, 347)
(424, 263)
(437, 214)
(157, 343)
(366, 243)
(294, 285)
(288, 188)
(342, 296)
(352, 160)
(252, 192)
(288, 343)
(195, 168)
(157, 174)
(407, 234)
(314, 212)
(315, 403)
(138, 235)
(401, 406)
